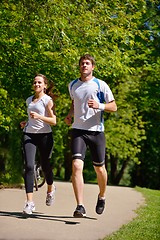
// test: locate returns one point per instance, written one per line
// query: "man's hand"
(22, 124)
(68, 120)
(93, 104)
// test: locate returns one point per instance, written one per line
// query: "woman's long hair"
(49, 89)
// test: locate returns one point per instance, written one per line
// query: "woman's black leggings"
(44, 143)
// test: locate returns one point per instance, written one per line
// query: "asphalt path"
(57, 222)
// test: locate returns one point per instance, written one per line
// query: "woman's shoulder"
(29, 99)
(46, 98)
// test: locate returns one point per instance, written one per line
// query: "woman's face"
(39, 84)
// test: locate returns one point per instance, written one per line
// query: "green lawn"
(146, 226)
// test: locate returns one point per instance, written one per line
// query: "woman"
(38, 134)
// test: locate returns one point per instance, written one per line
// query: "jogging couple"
(91, 97)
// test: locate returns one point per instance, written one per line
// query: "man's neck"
(86, 78)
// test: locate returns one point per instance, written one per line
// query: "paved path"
(56, 222)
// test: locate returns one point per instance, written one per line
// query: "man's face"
(86, 67)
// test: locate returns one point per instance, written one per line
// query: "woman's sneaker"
(29, 207)
(79, 212)
(51, 197)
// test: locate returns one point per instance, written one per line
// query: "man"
(90, 98)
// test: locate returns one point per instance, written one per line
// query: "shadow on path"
(41, 216)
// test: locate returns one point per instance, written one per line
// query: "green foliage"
(60, 132)
(48, 37)
(146, 224)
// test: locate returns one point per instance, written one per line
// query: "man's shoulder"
(73, 82)
(99, 82)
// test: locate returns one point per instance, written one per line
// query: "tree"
(49, 36)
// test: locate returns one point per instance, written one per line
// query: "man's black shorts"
(80, 139)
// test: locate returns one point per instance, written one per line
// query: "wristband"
(101, 106)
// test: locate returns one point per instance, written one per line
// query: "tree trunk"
(113, 174)
(121, 172)
(116, 176)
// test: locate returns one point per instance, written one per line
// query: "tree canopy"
(48, 37)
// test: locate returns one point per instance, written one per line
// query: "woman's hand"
(34, 115)
(50, 119)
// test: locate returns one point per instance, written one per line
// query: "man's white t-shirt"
(84, 117)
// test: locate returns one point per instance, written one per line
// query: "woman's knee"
(29, 168)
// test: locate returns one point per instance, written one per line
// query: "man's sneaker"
(29, 208)
(100, 206)
(50, 197)
(79, 212)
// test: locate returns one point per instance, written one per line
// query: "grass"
(146, 226)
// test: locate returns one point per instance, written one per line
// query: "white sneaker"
(51, 197)
(29, 207)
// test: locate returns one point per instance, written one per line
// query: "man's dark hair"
(87, 57)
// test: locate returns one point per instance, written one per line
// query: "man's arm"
(110, 107)
(107, 107)
(68, 118)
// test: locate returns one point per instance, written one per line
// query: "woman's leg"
(29, 157)
(29, 149)
(46, 148)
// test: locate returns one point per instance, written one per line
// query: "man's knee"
(77, 165)
(100, 169)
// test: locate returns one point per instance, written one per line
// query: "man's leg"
(102, 182)
(77, 180)
(78, 148)
(102, 179)
(78, 184)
